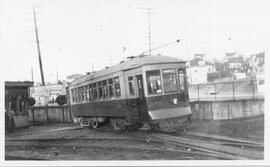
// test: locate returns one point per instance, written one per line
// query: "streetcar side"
(145, 90)
(95, 100)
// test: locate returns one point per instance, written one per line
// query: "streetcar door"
(140, 86)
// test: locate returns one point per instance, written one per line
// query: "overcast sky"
(75, 34)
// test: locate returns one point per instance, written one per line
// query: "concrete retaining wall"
(50, 114)
(220, 110)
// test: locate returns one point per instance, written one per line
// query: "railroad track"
(229, 149)
(213, 146)
(225, 140)
(142, 145)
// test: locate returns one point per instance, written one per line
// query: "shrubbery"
(31, 101)
(61, 100)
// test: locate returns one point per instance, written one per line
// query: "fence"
(233, 90)
(50, 114)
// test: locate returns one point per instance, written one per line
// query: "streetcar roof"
(126, 65)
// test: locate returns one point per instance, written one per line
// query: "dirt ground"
(251, 128)
(124, 149)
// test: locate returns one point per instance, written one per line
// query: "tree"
(61, 100)
(31, 101)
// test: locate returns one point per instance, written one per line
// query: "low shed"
(16, 104)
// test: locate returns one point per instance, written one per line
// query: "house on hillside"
(255, 65)
(234, 65)
(199, 68)
(256, 62)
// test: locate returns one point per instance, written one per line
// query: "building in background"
(16, 104)
(73, 77)
(235, 65)
(199, 68)
(256, 63)
(47, 94)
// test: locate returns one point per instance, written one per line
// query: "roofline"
(126, 70)
(18, 84)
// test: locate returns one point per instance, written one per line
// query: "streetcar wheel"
(95, 124)
(80, 122)
(118, 124)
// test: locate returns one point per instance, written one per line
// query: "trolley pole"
(149, 30)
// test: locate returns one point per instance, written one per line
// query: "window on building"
(117, 87)
(111, 87)
(100, 90)
(181, 75)
(261, 81)
(153, 82)
(131, 85)
(169, 79)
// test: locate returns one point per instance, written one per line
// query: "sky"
(76, 34)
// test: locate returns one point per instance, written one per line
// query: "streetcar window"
(116, 80)
(153, 82)
(72, 94)
(89, 92)
(117, 87)
(100, 83)
(100, 90)
(111, 91)
(131, 85)
(110, 81)
(181, 75)
(86, 92)
(82, 93)
(105, 88)
(77, 94)
(94, 91)
(169, 79)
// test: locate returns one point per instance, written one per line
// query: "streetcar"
(149, 90)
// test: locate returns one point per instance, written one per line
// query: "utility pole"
(38, 48)
(149, 30)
